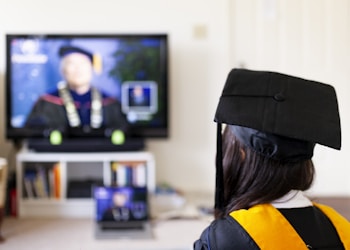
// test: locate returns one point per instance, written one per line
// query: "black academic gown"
(118, 214)
(310, 223)
(49, 112)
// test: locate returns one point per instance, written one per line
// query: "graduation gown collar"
(293, 199)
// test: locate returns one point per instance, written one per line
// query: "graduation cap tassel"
(219, 189)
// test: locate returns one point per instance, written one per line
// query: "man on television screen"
(119, 210)
(76, 103)
(139, 96)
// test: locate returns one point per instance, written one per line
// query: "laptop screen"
(120, 204)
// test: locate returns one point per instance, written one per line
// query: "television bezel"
(140, 132)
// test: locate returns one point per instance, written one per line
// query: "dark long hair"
(251, 179)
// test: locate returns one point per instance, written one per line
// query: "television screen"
(87, 85)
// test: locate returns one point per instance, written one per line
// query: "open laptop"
(121, 212)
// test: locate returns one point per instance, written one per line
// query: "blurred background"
(305, 38)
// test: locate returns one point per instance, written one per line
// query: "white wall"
(308, 38)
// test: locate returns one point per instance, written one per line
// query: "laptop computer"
(121, 212)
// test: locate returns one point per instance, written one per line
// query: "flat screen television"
(86, 85)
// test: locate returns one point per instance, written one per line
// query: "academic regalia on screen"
(68, 49)
(281, 117)
(94, 58)
(118, 214)
(65, 109)
(49, 112)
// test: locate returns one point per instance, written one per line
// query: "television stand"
(85, 145)
(46, 182)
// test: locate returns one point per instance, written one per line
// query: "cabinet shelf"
(60, 184)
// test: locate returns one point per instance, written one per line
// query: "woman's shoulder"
(223, 234)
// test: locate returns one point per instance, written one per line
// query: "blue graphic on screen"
(139, 100)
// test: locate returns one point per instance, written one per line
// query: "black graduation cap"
(67, 49)
(287, 113)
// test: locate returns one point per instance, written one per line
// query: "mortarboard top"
(288, 113)
(282, 105)
(65, 50)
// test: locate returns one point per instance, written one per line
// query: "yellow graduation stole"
(271, 230)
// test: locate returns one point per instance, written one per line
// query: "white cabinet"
(60, 184)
